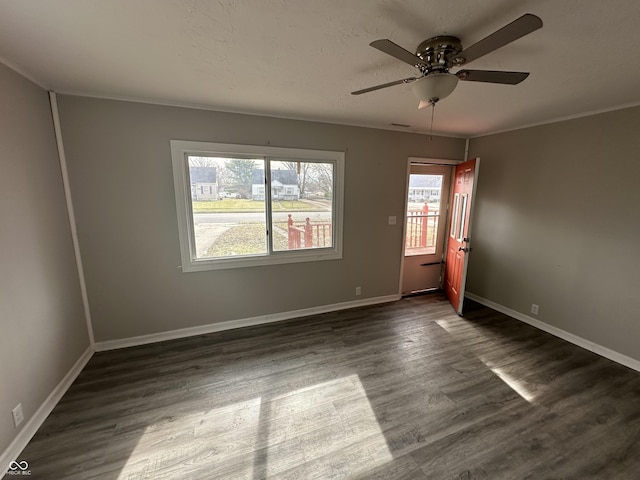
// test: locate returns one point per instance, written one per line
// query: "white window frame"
(180, 149)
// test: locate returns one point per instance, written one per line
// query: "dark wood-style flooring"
(407, 390)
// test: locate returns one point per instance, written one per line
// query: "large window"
(246, 205)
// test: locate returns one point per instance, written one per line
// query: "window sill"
(261, 260)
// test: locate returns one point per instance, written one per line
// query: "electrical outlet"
(18, 416)
(392, 219)
(358, 291)
(534, 308)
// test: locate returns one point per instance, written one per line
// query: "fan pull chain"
(433, 110)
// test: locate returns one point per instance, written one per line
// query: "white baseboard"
(239, 323)
(37, 419)
(558, 332)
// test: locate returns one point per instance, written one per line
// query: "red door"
(459, 240)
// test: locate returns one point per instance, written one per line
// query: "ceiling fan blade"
(390, 48)
(518, 28)
(492, 76)
(384, 85)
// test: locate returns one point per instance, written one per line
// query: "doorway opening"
(425, 225)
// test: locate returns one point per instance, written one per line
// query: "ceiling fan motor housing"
(436, 52)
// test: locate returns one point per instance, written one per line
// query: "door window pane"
(463, 216)
(455, 216)
(423, 213)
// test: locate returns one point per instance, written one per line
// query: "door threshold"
(426, 291)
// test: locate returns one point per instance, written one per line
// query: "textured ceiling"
(302, 58)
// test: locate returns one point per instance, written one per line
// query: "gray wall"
(121, 181)
(557, 224)
(42, 327)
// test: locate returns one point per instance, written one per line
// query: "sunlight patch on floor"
(171, 446)
(519, 386)
(325, 429)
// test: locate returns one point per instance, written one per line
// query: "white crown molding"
(20, 71)
(564, 118)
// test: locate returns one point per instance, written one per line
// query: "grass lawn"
(236, 205)
(245, 239)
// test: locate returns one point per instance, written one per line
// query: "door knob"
(465, 249)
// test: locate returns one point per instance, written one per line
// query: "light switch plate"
(18, 416)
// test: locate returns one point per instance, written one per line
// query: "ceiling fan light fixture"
(434, 86)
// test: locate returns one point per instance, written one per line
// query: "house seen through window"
(423, 213)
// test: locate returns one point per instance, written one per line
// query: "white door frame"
(422, 161)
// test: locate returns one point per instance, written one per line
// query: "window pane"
(463, 217)
(423, 214)
(454, 216)
(301, 204)
(229, 218)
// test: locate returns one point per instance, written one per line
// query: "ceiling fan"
(435, 56)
